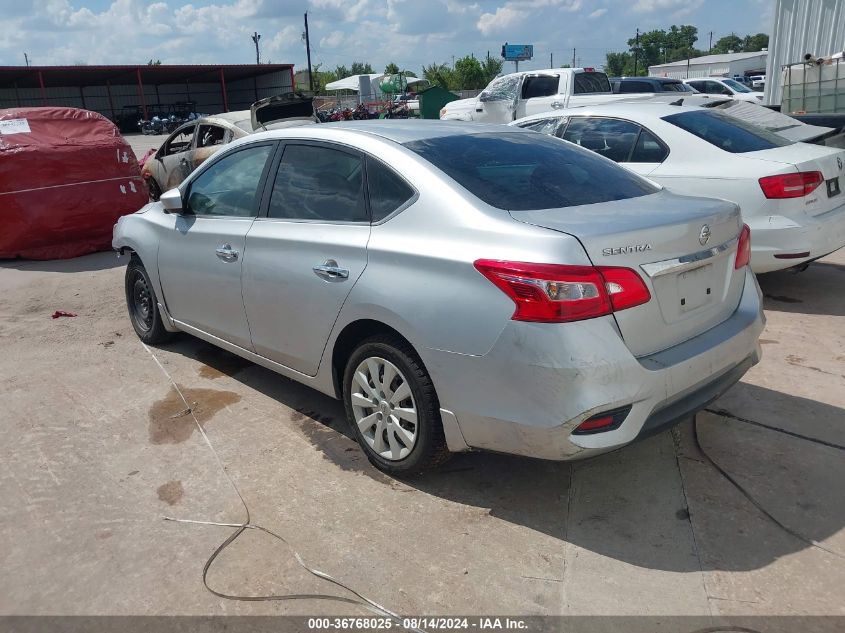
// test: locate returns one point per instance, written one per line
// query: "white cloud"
(332, 40)
(503, 19)
(676, 7)
(597, 13)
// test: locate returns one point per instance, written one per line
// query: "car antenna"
(679, 102)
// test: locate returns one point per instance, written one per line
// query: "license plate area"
(833, 187)
(695, 288)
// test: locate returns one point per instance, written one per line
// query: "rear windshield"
(526, 171)
(725, 132)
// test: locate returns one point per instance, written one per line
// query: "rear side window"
(318, 183)
(521, 172)
(586, 83)
(635, 86)
(725, 132)
(387, 190)
(611, 138)
(541, 86)
(648, 149)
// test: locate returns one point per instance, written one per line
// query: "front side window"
(611, 138)
(229, 187)
(517, 171)
(587, 82)
(179, 142)
(318, 183)
(501, 89)
(387, 190)
(726, 132)
(715, 88)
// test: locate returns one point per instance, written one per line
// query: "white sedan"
(727, 87)
(790, 193)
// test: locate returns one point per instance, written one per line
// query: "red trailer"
(66, 176)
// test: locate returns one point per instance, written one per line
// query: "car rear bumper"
(540, 381)
(776, 235)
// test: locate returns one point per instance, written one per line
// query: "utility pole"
(308, 52)
(26, 58)
(573, 58)
(710, 50)
(551, 60)
(636, 52)
(255, 38)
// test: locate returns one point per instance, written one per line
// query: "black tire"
(155, 190)
(142, 305)
(429, 449)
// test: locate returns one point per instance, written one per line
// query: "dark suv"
(648, 84)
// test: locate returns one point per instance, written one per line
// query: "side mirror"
(171, 200)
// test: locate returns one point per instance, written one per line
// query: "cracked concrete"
(87, 470)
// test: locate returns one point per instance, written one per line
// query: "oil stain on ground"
(171, 492)
(218, 362)
(171, 421)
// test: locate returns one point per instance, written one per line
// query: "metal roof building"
(127, 93)
(802, 26)
(726, 65)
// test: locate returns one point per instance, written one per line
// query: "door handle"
(226, 253)
(331, 271)
(557, 104)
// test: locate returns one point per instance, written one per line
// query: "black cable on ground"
(359, 600)
(806, 438)
(754, 501)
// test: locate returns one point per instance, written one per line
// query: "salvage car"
(790, 193)
(192, 143)
(458, 285)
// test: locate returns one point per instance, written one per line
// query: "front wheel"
(142, 304)
(393, 408)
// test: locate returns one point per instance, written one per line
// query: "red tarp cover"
(66, 175)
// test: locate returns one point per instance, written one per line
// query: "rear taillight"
(743, 248)
(554, 293)
(791, 185)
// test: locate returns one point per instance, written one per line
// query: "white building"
(726, 65)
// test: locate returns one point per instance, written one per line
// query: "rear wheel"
(142, 304)
(392, 407)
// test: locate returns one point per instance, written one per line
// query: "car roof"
(633, 110)
(409, 130)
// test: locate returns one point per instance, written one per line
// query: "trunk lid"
(278, 108)
(830, 161)
(689, 270)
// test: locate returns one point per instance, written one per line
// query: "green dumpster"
(432, 99)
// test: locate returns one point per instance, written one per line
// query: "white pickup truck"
(514, 96)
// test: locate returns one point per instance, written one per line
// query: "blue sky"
(408, 32)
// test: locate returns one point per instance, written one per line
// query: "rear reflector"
(743, 248)
(791, 185)
(602, 422)
(555, 293)
(792, 255)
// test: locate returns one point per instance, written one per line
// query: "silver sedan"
(459, 286)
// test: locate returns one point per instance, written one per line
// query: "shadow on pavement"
(630, 505)
(814, 291)
(86, 263)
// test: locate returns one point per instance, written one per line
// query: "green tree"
(391, 69)
(469, 74)
(754, 43)
(440, 75)
(154, 63)
(618, 64)
(361, 68)
(728, 44)
(491, 68)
